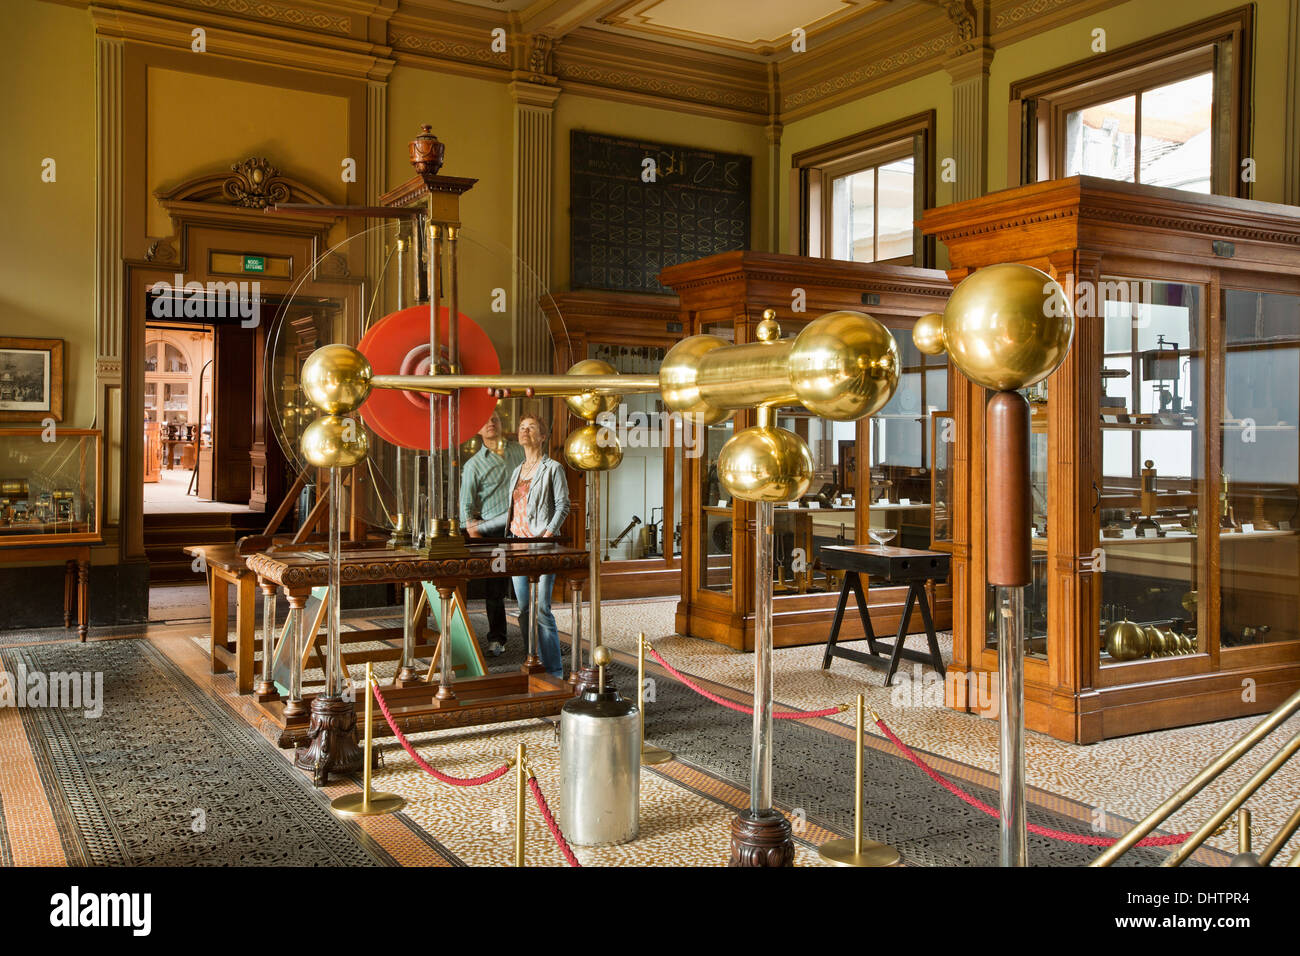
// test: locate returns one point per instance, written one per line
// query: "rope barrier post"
(859, 852)
(367, 803)
(650, 754)
(521, 783)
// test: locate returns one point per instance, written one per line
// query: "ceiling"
(754, 29)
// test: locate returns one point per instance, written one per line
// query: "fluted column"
(970, 121)
(109, 297)
(376, 174)
(534, 125)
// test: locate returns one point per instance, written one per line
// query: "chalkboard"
(629, 218)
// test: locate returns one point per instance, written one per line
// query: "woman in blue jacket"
(539, 503)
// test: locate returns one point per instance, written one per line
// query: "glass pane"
(1100, 140)
(1152, 487)
(823, 516)
(896, 210)
(853, 216)
(174, 360)
(716, 529)
(1259, 554)
(1176, 144)
(47, 488)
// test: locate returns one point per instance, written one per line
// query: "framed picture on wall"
(31, 380)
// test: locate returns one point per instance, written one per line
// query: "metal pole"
(268, 637)
(593, 559)
(405, 672)
(447, 677)
(435, 294)
(365, 767)
(453, 400)
(520, 783)
(575, 594)
(857, 776)
(760, 760)
(333, 662)
(298, 628)
(1012, 844)
(532, 621)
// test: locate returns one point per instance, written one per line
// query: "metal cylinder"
(1013, 849)
(1008, 488)
(600, 768)
(760, 757)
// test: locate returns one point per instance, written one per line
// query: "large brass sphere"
(593, 448)
(334, 442)
(589, 404)
(844, 365)
(336, 378)
(1126, 641)
(1007, 326)
(765, 464)
(927, 334)
(679, 376)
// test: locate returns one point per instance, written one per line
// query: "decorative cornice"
(295, 14)
(856, 79)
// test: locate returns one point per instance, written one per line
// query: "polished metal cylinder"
(760, 758)
(593, 556)
(575, 593)
(408, 630)
(447, 676)
(600, 769)
(743, 375)
(532, 619)
(435, 456)
(453, 362)
(1012, 844)
(298, 628)
(268, 636)
(333, 658)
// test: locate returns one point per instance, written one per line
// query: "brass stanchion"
(859, 852)
(367, 803)
(521, 783)
(650, 754)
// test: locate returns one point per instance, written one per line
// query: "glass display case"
(870, 477)
(49, 486)
(1166, 466)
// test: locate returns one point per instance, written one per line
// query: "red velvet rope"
(731, 704)
(550, 822)
(961, 794)
(438, 774)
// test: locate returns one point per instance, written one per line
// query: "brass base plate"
(651, 755)
(354, 804)
(841, 853)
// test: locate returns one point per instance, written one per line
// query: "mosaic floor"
(686, 806)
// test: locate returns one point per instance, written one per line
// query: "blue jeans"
(548, 637)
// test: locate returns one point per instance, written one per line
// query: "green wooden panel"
(464, 652)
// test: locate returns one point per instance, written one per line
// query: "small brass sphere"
(927, 334)
(679, 378)
(1126, 641)
(765, 464)
(1007, 326)
(844, 365)
(334, 442)
(589, 404)
(601, 656)
(593, 448)
(1157, 645)
(336, 378)
(768, 330)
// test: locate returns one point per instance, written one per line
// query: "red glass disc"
(402, 417)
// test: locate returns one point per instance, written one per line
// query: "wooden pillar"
(534, 124)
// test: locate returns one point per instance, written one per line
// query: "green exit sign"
(254, 263)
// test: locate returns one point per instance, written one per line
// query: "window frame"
(1221, 45)
(813, 171)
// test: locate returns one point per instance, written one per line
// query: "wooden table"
(889, 566)
(227, 568)
(76, 575)
(324, 729)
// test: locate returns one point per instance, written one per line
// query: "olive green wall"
(47, 243)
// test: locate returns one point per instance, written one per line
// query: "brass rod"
(640, 685)
(1237, 799)
(1243, 830)
(540, 384)
(857, 777)
(370, 736)
(1279, 839)
(520, 783)
(1199, 782)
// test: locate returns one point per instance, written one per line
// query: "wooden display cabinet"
(1186, 355)
(631, 331)
(725, 295)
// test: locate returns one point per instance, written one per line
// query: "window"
(859, 197)
(1171, 111)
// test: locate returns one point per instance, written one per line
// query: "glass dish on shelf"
(49, 490)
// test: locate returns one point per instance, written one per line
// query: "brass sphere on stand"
(593, 448)
(334, 442)
(927, 334)
(589, 405)
(765, 464)
(336, 378)
(844, 365)
(1157, 644)
(1007, 326)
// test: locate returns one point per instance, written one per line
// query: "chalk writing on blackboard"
(626, 225)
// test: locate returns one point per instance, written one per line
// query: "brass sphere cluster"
(1127, 641)
(336, 380)
(1005, 327)
(592, 447)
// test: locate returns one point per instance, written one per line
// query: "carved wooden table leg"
(69, 591)
(83, 598)
(762, 840)
(219, 611)
(245, 632)
(331, 740)
(265, 686)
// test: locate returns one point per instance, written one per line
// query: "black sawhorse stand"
(889, 566)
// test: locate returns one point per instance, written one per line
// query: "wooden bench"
(226, 568)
